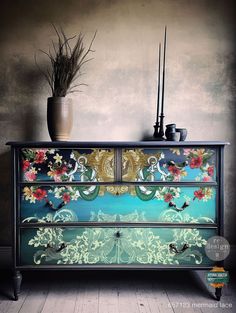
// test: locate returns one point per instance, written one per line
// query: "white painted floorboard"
(115, 292)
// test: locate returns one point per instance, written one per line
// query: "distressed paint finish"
(119, 103)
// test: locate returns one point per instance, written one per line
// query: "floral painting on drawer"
(80, 165)
(93, 203)
(81, 245)
(169, 164)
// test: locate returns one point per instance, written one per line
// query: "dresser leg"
(17, 283)
(218, 293)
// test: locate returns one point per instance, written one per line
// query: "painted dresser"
(138, 205)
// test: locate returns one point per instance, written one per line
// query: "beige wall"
(119, 103)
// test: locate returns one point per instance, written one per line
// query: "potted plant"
(66, 63)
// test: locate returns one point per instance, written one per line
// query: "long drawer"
(108, 245)
(112, 203)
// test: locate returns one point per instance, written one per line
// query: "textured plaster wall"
(119, 103)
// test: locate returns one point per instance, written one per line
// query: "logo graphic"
(217, 277)
(217, 248)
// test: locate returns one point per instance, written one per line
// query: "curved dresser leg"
(218, 293)
(17, 284)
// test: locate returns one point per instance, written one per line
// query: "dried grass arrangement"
(66, 63)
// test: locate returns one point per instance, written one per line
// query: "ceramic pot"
(59, 118)
(183, 133)
(170, 132)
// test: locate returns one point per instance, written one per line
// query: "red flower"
(174, 170)
(25, 165)
(206, 178)
(39, 158)
(66, 197)
(61, 170)
(30, 176)
(39, 194)
(210, 171)
(199, 194)
(196, 162)
(168, 197)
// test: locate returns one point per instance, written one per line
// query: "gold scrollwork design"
(102, 160)
(132, 161)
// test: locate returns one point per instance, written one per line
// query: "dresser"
(117, 205)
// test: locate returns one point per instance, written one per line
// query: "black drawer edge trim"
(123, 183)
(113, 144)
(112, 267)
(109, 224)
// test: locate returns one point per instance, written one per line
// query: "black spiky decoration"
(159, 126)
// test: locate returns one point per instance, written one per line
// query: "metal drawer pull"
(50, 204)
(184, 206)
(62, 246)
(174, 249)
(63, 203)
(52, 249)
(118, 234)
(178, 165)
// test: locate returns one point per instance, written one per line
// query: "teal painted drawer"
(169, 164)
(82, 165)
(81, 245)
(43, 204)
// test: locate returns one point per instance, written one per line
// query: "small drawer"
(84, 245)
(169, 164)
(59, 165)
(93, 203)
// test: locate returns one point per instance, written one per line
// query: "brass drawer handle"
(174, 249)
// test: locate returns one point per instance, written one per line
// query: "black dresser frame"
(15, 150)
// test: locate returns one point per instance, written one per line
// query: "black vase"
(171, 132)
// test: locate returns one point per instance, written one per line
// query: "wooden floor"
(114, 292)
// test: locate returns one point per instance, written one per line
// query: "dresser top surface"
(94, 144)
